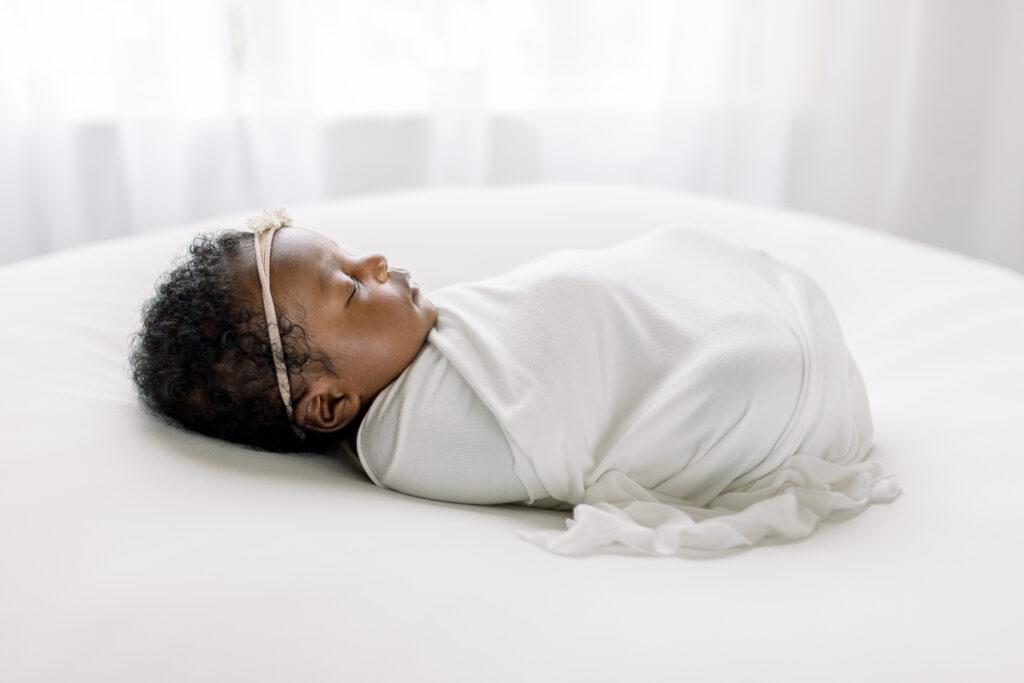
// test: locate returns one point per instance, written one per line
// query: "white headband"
(263, 227)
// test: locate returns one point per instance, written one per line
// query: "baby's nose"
(377, 266)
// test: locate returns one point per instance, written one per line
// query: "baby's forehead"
(304, 246)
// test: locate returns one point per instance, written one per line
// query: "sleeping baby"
(675, 391)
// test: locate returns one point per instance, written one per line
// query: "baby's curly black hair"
(202, 357)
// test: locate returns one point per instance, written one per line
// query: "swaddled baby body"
(677, 391)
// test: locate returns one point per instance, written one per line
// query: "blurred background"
(124, 116)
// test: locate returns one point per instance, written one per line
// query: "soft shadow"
(320, 471)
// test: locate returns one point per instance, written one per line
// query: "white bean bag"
(133, 551)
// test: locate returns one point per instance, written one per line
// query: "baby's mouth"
(410, 284)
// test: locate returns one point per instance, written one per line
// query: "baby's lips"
(410, 284)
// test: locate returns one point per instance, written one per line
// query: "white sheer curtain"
(121, 116)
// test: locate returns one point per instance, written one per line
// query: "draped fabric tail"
(656, 528)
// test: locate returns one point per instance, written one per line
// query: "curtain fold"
(120, 117)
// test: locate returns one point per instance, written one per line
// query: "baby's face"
(368, 319)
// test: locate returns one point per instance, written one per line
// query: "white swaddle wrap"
(678, 390)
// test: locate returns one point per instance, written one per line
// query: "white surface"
(132, 551)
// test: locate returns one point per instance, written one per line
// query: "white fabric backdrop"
(903, 115)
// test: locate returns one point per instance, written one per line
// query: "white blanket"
(678, 390)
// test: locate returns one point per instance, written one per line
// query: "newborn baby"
(676, 391)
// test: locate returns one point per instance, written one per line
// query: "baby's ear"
(325, 407)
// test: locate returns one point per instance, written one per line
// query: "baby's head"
(348, 326)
